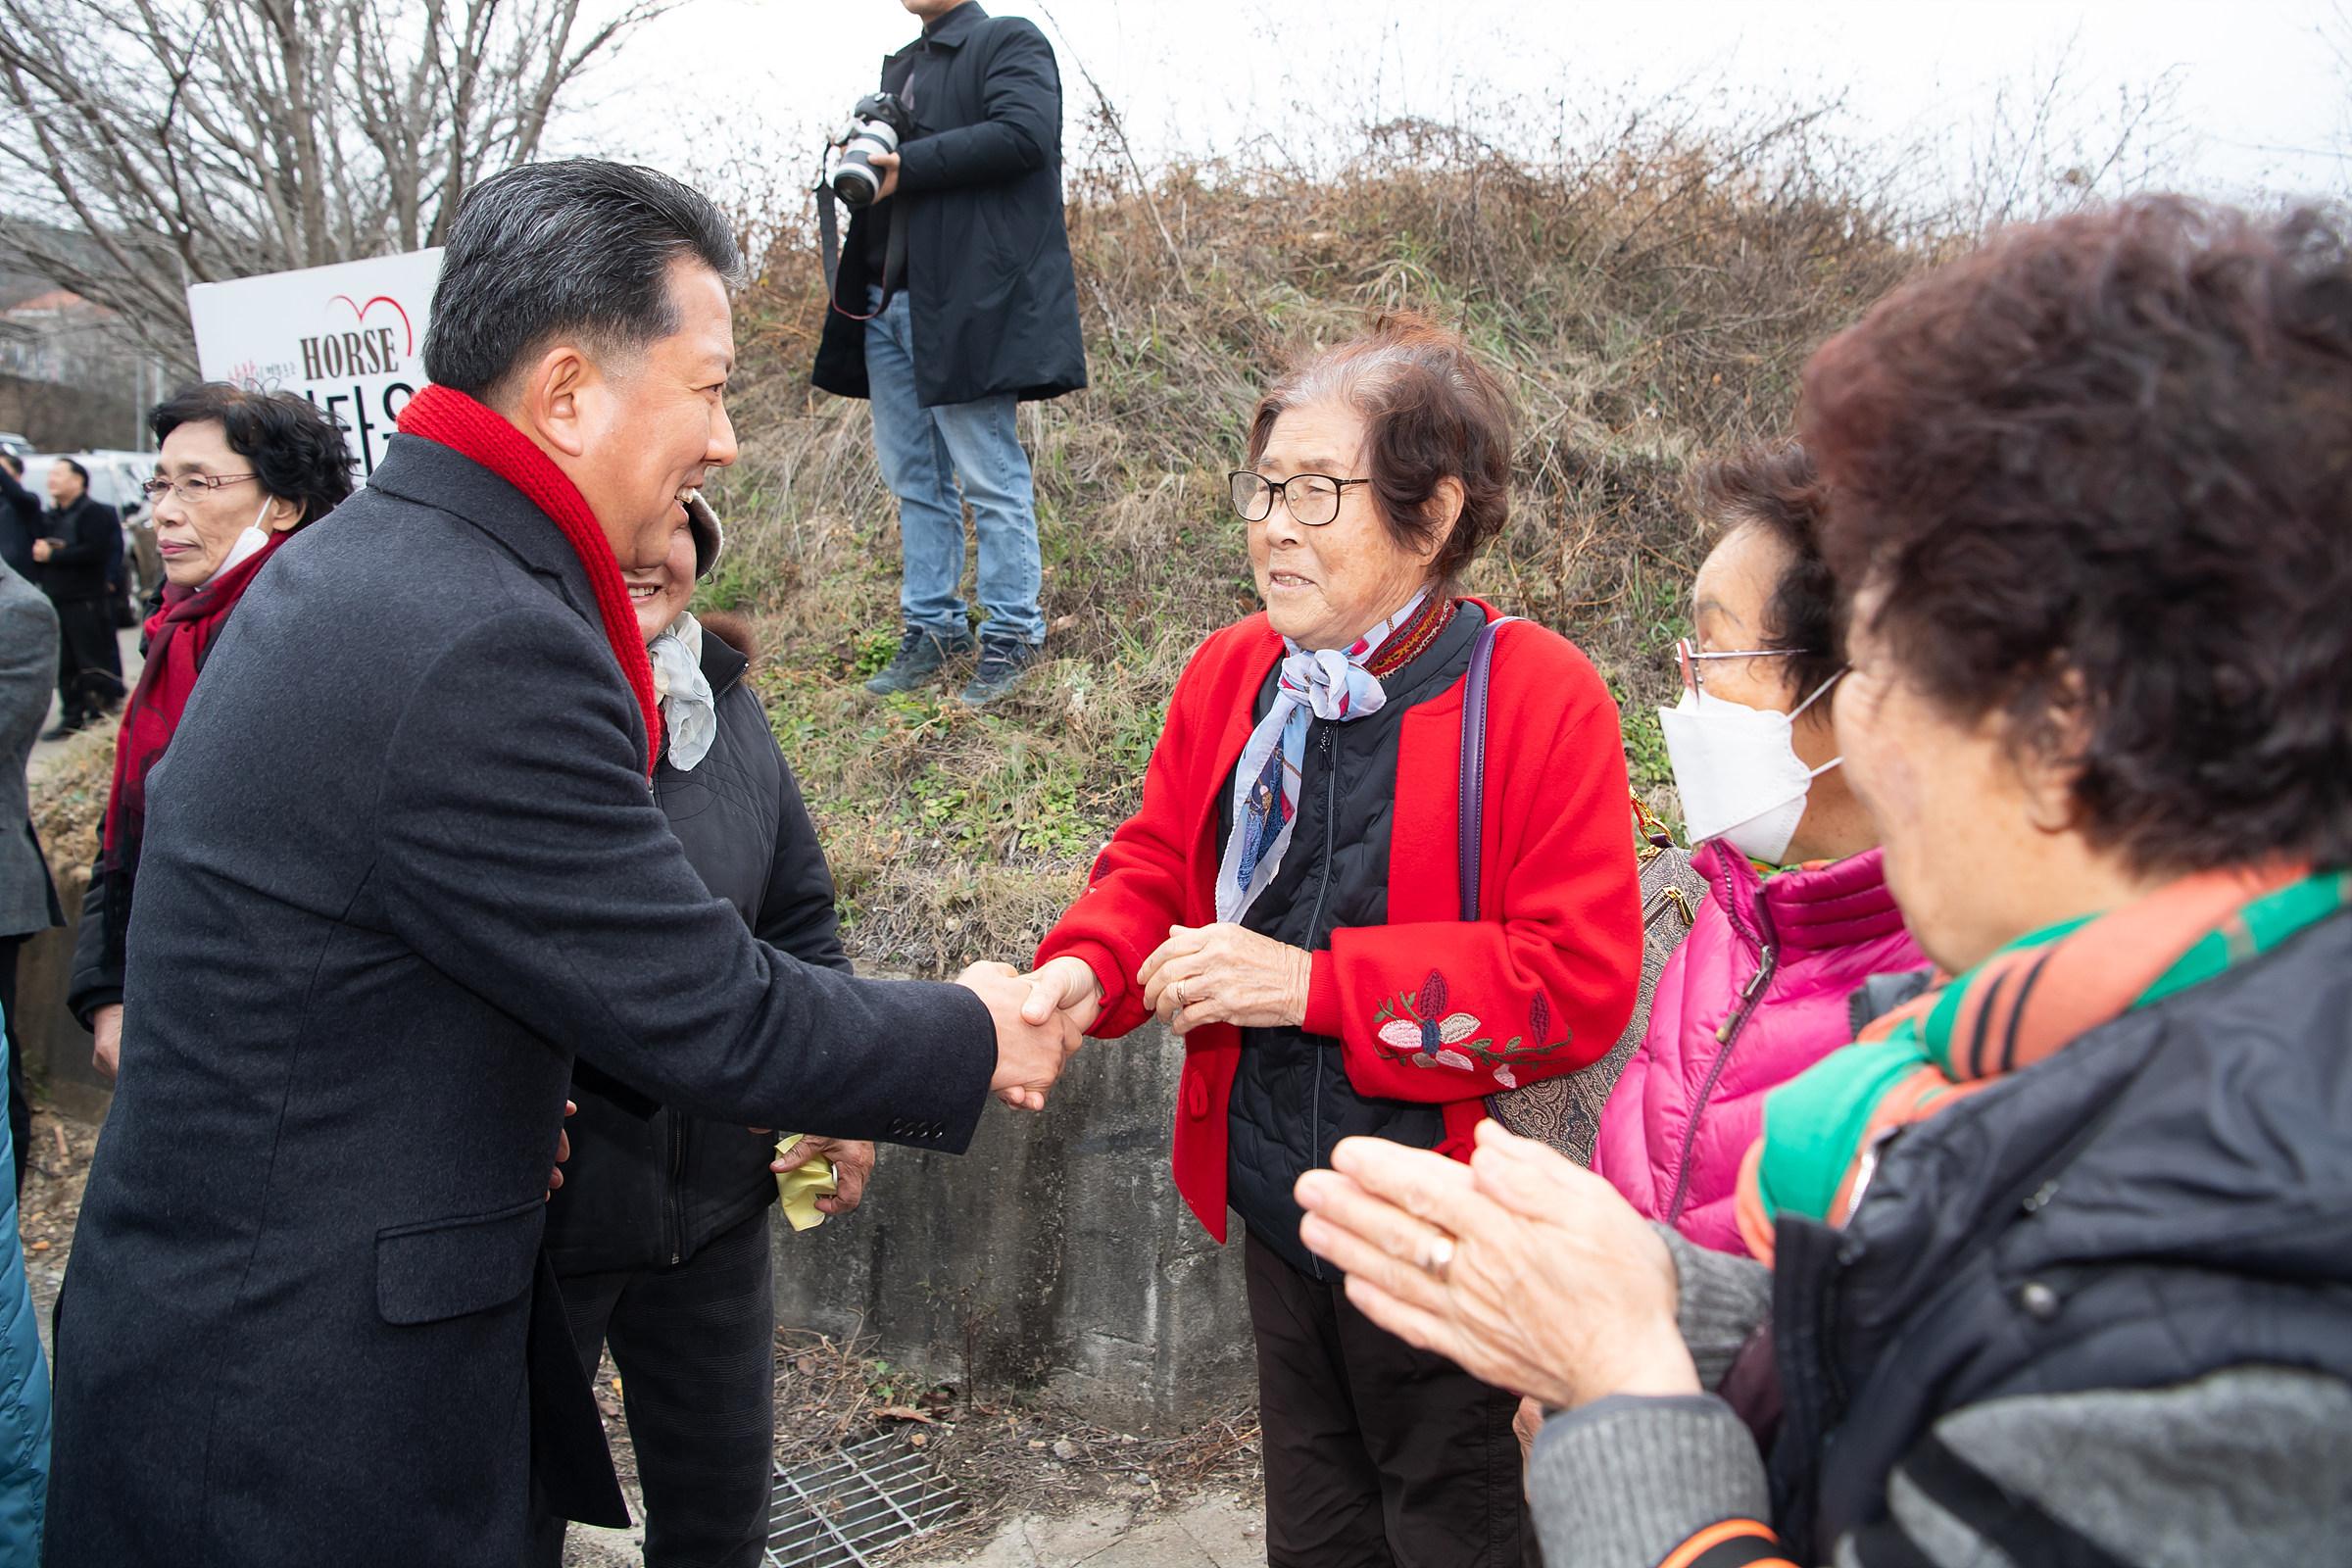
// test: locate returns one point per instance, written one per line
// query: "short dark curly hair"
(296, 448)
(1432, 411)
(2098, 476)
(1775, 489)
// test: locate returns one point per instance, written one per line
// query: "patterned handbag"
(1564, 1112)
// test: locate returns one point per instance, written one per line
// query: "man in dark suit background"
(77, 558)
(402, 864)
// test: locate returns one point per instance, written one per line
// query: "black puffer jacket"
(1291, 1100)
(646, 1191)
(2167, 1199)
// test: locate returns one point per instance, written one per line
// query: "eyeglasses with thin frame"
(1313, 498)
(1688, 659)
(194, 488)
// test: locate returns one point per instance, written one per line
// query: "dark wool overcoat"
(402, 867)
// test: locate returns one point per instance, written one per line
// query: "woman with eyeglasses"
(236, 474)
(1290, 901)
(2053, 1264)
(1797, 914)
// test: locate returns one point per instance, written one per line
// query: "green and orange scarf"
(1821, 1129)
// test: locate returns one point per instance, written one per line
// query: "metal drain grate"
(844, 1509)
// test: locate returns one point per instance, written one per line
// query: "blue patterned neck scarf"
(1326, 683)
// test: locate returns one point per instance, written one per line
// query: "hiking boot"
(1002, 667)
(922, 652)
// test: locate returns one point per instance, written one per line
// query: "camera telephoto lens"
(876, 126)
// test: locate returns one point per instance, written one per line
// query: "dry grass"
(68, 801)
(1648, 304)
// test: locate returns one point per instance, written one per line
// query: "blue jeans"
(925, 452)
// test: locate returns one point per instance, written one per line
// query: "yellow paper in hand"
(800, 1186)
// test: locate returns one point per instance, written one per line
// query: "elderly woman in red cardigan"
(1289, 901)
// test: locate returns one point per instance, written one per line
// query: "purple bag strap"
(1473, 807)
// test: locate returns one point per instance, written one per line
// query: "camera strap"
(828, 237)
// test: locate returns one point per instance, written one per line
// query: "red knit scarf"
(178, 637)
(472, 430)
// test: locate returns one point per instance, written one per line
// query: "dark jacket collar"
(950, 30)
(430, 474)
(723, 663)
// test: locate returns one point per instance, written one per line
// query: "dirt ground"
(51, 1203)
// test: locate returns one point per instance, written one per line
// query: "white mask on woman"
(1737, 771)
(249, 544)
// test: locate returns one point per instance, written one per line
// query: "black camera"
(877, 124)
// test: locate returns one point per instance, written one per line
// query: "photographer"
(955, 301)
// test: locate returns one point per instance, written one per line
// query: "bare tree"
(149, 144)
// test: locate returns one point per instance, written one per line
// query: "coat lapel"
(430, 474)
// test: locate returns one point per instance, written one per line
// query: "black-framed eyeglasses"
(1690, 661)
(1313, 498)
(192, 489)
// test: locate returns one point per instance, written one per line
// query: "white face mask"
(1737, 771)
(247, 545)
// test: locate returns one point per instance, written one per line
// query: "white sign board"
(349, 337)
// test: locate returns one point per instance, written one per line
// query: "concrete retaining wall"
(57, 1050)
(1055, 1251)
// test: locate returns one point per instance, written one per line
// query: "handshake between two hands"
(1200, 974)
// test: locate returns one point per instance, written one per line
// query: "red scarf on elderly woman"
(179, 637)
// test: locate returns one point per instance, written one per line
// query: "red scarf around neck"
(179, 636)
(470, 429)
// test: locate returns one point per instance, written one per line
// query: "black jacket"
(993, 299)
(2168, 1196)
(91, 556)
(646, 1191)
(1291, 1100)
(401, 865)
(20, 524)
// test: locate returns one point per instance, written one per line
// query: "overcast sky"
(2249, 98)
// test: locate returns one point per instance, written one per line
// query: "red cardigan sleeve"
(1140, 883)
(1444, 1009)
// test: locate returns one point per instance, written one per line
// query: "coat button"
(2039, 1301)
(1196, 1097)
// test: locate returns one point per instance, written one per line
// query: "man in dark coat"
(19, 516)
(76, 559)
(402, 864)
(954, 302)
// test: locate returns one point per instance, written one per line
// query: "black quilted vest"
(2168, 1196)
(1291, 1100)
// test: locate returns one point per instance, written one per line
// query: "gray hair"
(578, 246)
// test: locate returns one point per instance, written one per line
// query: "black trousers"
(89, 663)
(1378, 1455)
(695, 1346)
(20, 1108)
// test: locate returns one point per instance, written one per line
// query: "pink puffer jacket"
(1756, 993)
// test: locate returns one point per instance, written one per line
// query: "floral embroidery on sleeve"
(1414, 1027)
